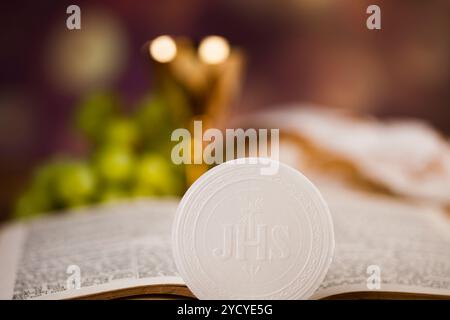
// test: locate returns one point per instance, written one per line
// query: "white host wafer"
(239, 234)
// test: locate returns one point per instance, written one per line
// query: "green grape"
(43, 185)
(154, 120)
(94, 111)
(44, 181)
(112, 194)
(43, 176)
(120, 132)
(143, 191)
(156, 173)
(32, 203)
(114, 164)
(75, 184)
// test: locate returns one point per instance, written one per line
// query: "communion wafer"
(241, 234)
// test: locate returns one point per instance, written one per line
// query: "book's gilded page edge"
(321, 294)
(112, 286)
(11, 242)
(153, 292)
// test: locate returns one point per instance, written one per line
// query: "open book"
(385, 248)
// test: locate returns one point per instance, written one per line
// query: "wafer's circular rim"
(178, 239)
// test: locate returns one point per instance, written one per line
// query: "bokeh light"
(163, 49)
(214, 50)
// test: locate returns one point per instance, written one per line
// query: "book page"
(128, 245)
(97, 249)
(386, 245)
(11, 241)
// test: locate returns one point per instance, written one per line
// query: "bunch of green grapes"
(129, 157)
(57, 185)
